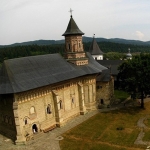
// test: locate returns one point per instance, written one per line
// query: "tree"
(134, 76)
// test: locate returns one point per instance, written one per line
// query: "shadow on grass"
(126, 110)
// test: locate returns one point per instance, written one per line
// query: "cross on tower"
(71, 11)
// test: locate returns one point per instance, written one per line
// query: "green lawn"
(115, 130)
(122, 95)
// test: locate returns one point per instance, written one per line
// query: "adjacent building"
(95, 51)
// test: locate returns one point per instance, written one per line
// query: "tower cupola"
(74, 51)
(129, 55)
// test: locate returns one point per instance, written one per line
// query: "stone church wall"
(48, 106)
(34, 111)
(105, 92)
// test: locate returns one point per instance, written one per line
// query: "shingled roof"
(112, 64)
(26, 73)
(105, 76)
(94, 48)
(72, 28)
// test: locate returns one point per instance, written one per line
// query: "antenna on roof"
(70, 12)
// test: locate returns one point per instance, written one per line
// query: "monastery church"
(39, 93)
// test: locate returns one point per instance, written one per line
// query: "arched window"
(72, 100)
(60, 103)
(49, 109)
(25, 121)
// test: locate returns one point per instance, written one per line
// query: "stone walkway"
(46, 141)
(142, 126)
(50, 140)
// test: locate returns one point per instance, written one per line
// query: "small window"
(73, 100)
(49, 109)
(69, 46)
(25, 121)
(60, 103)
(102, 101)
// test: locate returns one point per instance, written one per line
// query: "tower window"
(79, 45)
(69, 46)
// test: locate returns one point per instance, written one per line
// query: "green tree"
(114, 55)
(134, 76)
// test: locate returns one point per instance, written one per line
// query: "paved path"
(47, 141)
(142, 126)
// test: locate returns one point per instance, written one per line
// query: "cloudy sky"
(28, 20)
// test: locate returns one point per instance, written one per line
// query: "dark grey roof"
(112, 64)
(22, 74)
(105, 76)
(72, 28)
(94, 48)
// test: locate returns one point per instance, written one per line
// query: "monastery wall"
(105, 92)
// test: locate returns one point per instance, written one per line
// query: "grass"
(147, 131)
(114, 130)
(122, 95)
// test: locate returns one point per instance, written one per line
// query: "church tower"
(95, 50)
(74, 51)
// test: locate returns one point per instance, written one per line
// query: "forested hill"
(85, 39)
(31, 50)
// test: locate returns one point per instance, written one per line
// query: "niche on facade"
(32, 113)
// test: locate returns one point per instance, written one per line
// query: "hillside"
(85, 39)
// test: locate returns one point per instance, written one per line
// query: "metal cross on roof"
(71, 11)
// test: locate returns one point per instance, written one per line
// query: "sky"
(29, 20)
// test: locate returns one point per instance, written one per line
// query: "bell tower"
(74, 51)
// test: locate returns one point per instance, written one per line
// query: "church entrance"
(34, 128)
